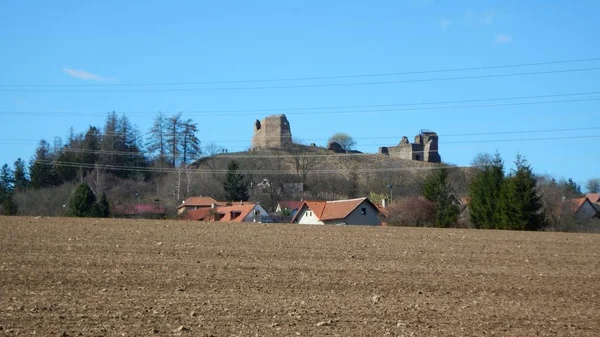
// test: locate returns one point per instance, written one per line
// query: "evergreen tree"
(485, 191)
(41, 168)
(173, 139)
(6, 182)
(235, 184)
(20, 175)
(520, 207)
(7, 204)
(82, 201)
(157, 139)
(101, 208)
(572, 188)
(190, 144)
(437, 189)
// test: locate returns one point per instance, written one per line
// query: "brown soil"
(92, 277)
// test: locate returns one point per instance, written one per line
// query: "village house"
(195, 203)
(582, 208)
(359, 211)
(289, 207)
(235, 213)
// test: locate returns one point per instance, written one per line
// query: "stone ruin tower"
(425, 148)
(272, 132)
(428, 141)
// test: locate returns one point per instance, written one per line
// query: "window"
(363, 211)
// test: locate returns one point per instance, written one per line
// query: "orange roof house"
(235, 213)
(359, 211)
(194, 203)
(582, 208)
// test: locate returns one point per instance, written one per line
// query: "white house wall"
(307, 217)
(250, 217)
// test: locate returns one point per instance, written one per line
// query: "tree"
(593, 185)
(7, 188)
(41, 169)
(520, 207)
(190, 144)
(101, 209)
(572, 187)
(412, 211)
(157, 139)
(235, 184)
(173, 138)
(82, 201)
(344, 139)
(20, 175)
(485, 191)
(437, 189)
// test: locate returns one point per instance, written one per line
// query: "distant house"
(140, 210)
(359, 211)
(235, 213)
(288, 206)
(582, 208)
(194, 203)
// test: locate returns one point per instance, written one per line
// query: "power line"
(290, 79)
(384, 110)
(212, 112)
(322, 85)
(9, 140)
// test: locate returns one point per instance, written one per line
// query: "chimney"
(384, 203)
(213, 206)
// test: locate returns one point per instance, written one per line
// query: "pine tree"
(235, 184)
(190, 144)
(20, 175)
(437, 189)
(157, 139)
(7, 185)
(484, 192)
(173, 138)
(520, 207)
(101, 208)
(41, 169)
(82, 202)
(572, 188)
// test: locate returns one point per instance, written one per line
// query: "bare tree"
(344, 139)
(304, 164)
(593, 185)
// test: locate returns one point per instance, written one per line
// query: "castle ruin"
(425, 148)
(272, 132)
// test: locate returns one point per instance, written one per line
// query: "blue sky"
(62, 45)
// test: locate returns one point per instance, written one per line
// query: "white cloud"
(83, 75)
(445, 23)
(486, 18)
(503, 38)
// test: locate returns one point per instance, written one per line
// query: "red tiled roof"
(594, 197)
(331, 210)
(201, 214)
(241, 210)
(198, 202)
(340, 209)
(577, 203)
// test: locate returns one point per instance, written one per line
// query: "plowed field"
(92, 277)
